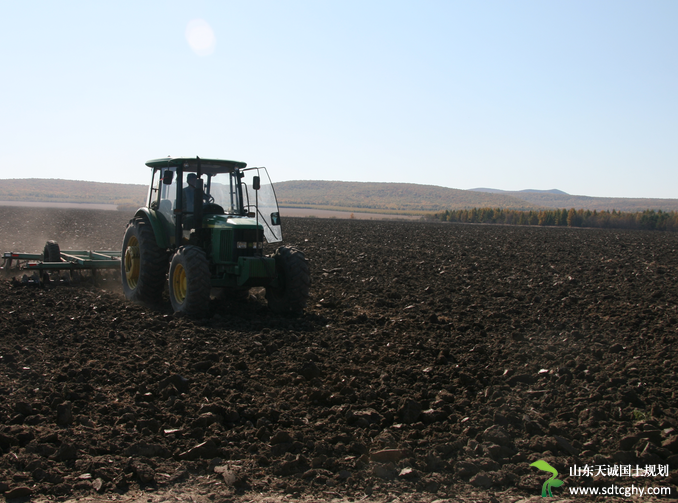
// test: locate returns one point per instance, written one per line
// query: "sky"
(575, 95)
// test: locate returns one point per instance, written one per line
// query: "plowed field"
(434, 361)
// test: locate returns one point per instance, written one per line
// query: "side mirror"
(256, 183)
(167, 177)
(275, 218)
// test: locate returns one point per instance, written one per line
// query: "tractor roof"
(191, 164)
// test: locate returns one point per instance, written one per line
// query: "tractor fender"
(149, 214)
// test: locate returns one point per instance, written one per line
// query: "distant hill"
(551, 191)
(72, 191)
(499, 191)
(391, 197)
(372, 197)
(409, 197)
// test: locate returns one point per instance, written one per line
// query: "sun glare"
(200, 37)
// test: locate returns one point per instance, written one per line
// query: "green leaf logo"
(553, 481)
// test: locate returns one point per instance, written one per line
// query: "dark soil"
(433, 359)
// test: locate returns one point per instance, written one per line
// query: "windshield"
(224, 190)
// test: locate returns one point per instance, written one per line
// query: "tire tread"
(153, 264)
(196, 265)
(294, 294)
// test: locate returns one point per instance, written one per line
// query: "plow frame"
(70, 260)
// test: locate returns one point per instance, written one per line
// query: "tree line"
(645, 220)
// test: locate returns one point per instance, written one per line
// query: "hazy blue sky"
(576, 95)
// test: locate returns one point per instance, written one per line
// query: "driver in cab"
(188, 196)
(189, 192)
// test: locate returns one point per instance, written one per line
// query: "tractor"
(203, 227)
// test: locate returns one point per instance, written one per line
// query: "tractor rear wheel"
(51, 253)
(144, 264)
(294, 281)
(189, 281)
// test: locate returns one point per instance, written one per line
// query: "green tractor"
(203, 227)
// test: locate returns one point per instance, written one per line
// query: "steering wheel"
(208, 198)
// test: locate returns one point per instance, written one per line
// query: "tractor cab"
(191, 194)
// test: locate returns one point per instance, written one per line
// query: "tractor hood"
(271, 228)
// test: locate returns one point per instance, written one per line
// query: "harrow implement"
(54, 259)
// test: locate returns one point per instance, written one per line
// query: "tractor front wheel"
(189, 281)
(294, 280)
(143, 264)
